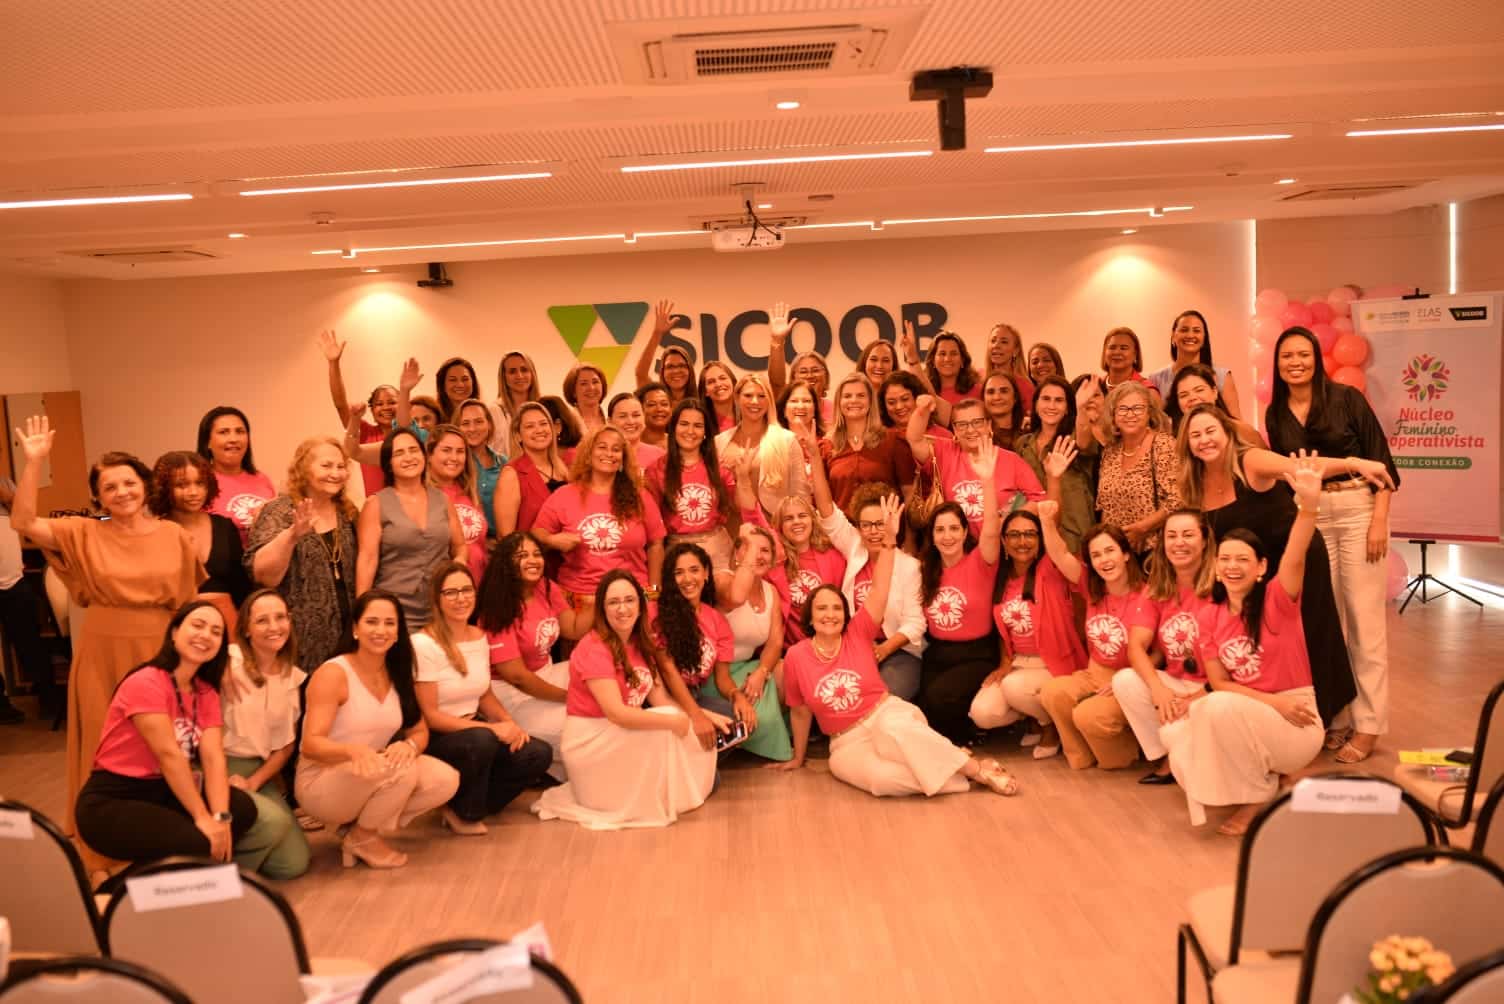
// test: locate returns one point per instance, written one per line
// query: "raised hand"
(1049, 510)
(663, 317)
(908, 344)
(35, 436)
(1084, 394)
(1060, 458)
(302, 519)
(742, 465)
(985, 460)
(779, 323)
(1306, 481)
(925, 405)
(892, 509)
(330, 345)
(411, 375)
(803, 429)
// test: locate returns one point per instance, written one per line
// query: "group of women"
(595, 595)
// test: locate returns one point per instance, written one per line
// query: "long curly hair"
(503, 594)
(165, 472)
(867, 494)
(931, 564)
(673, 464)
(298, 482)
(677, 623)
(641, 634)
(626, 496)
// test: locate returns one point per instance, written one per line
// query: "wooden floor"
(799, 887)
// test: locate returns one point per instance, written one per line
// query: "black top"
(226, 571)
(1346, 427)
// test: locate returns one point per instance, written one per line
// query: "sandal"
(993, 775)
(1337, 738)
(306, 822)
(1350, 754)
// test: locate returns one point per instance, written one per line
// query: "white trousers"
(1231, 749)
(1013, 697)
(537, 717)
(1360, 586)
(1138, 706)
(895, 752)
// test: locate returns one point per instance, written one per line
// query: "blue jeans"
(900, 671)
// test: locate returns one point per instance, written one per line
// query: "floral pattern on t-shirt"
(1106, 634)
(545, 634)
(801, 585)
(839, 690)
(694, 503)
(968, 494)
(600, 532)
(1178, 636)
(1241, 658)
(947, 609)
(1018, 614)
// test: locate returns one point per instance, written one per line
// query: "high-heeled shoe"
(374, 851)
(461, 827)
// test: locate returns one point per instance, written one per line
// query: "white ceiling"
(100, 97)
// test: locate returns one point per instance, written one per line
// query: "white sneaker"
(1045, 752)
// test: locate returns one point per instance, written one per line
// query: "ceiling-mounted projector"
(750, 236)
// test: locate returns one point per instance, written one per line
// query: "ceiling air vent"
(1336, 192)
(145, 256)
(763, 48)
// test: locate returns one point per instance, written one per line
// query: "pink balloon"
(1352, 376)
(1350, 350)
(1295, 315)
(1329, 364)
(1399, 575)
(1343, 325)
(1264, 331)
(1321, 312)
(1341, 299)
(1326, 334)
(1263, 387)
(1270, 302)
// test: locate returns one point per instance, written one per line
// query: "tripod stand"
(1421, 580)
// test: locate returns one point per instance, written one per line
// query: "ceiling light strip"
(700, 165)
(415, 183)
(103, 200)
(484, 244)
(1118, 144)
(1144, 210)
(1426, 130)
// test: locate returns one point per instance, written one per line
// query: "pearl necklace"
(814, 644)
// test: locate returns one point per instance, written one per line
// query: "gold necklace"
(815, 644)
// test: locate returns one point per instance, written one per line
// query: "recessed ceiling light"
(1425, 130)
(786, 106)
(765, 205)
(236, 236)
(370, 270)
(1130, 230)
(1114, 144)
(411, 183)
(103, 200)
(699, 165)
(1285, 181)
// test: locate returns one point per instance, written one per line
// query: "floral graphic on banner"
(1425, 378)
(600, 532)
(839, 690)
(1106, 634)
(947, 608)
(1018, 616)
(694, 503)
(1241, 657)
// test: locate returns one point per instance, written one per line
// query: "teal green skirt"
(771, 738)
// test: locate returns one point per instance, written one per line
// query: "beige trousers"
(1092, 727)
(1138, 706)
(895, 752)
(1015, 696)
(337, 795)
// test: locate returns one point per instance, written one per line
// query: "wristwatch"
(222, 817)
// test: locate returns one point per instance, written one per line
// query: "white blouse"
(459, 693)
(265, 718)
(750, 627)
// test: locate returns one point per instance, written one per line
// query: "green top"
(1077, 496)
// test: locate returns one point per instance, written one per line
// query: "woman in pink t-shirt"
(451, 472)
(807, 558)
(626, 412)
(878, 743)
(956, 579)
(145, 798)
(224, 439)
(629, 765)
(523, 614)
(1181, 572)
(1031, 606)
(602, 519)
(1261, 720)
(955, 461)
(718, 390)
(1092, 727)
(693, 490)
(946, 372)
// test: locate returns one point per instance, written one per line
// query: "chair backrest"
(44, 890)
(1290, 860)
(248, 949)
(404, 973)
(91, 981)
(1488, 758)
(1479, 982)
(1488, 835)
(1451, 897)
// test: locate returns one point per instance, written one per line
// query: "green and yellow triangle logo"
(574, 323)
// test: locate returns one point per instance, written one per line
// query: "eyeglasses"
(622, 601)
(975, 423)
(870, 524)
(462, 593)
(1021, 535)
(1132, 409)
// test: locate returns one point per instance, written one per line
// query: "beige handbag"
(922, 504)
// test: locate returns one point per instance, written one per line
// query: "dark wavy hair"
(1016, 415)
(399, 658)
(1006, 572)
(164, 473)
(1096, 586)
(806, 612)
(904, 379)
(1252, 614)
(167, 659)
(642, 631)
(1172, 398)
(1067, 426)
(931, 564)
(388, 476)
(1204, 357)
(677, 623)
(206, 426)
(563, 416)
(450, 412)
(967, 378)
(783, 404)
(115, 458)
(869, 348)
(673, 464)
(691, 384)
(502, 594)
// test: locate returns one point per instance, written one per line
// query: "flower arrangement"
(1400, 967)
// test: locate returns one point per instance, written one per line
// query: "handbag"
(922, 504)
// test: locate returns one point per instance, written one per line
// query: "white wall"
(33, 336)
(152, 356)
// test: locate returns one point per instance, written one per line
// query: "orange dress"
(130, 586)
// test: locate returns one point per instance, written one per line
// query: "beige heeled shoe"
(375, 852)
(460, 827)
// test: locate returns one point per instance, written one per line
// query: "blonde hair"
(1193, 469)
(874, 433)
(777, 445)
(466, 479)
(504, 396)
(514, 435)
(297, 474)
(1019, 365)
(818, 540)
(1163, 582)
(1154, 416)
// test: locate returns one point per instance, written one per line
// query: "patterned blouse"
(319, 590)
(1149, 486)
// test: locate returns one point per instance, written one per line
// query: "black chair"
(45, 893)
(90, 981)
(1488, 837)
(550, 985)
(1453, 804)
(1479, 982)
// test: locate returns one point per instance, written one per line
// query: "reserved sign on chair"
(1345, 796)
(189, 887)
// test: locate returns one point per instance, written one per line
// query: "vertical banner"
(1435, 383)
